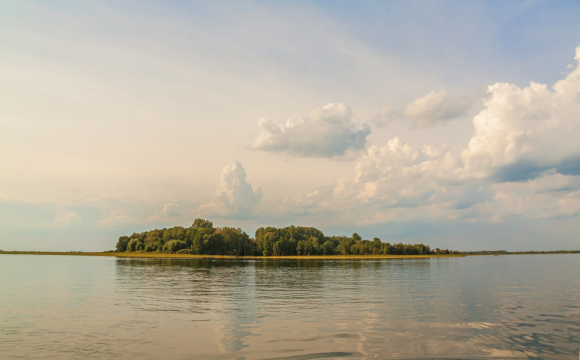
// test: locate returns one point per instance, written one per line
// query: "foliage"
(173, 246)
(203, 239)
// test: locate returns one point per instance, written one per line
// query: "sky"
(449, 123)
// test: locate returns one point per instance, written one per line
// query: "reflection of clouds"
(477, 307)
(239, 314)
(218, 291)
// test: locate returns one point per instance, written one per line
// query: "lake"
(481, 307)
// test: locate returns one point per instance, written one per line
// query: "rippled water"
(504, 307)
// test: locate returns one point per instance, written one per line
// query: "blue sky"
(445, 122)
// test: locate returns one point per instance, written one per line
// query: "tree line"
(202, 238)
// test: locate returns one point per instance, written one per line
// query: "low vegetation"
(201, 238)
(504, 252)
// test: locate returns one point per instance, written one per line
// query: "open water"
(487, 307)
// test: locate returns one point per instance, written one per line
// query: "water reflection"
(397, 309)
(449, 308)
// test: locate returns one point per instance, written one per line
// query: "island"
(202, 238)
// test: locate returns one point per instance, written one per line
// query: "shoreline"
(154, 255)
(219, 257)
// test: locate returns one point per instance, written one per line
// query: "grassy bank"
(186, 256)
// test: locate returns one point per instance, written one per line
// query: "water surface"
(504, 307)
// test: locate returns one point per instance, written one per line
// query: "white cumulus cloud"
(398, 175)
(523, 133)
(523, 161)
(235, 197)
(327, 131)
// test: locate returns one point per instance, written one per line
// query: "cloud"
(399, 183)
(172, 210)
(436, 107)
(327, 131)
(398, 175)
(308, 200)
(235, 198)
(426, 111)
(63, 218)
(523, 161)
(547, 196)
(378, 218)
(524, 133)
(114, 218)
(169, 211)
(385, 116)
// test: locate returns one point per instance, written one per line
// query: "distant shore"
(155, 255)
(188, 256)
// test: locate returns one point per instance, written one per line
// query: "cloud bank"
(522, 161)
(325, 132)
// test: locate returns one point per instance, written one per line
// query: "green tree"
(173, 246)
(328, 248)
(267, 245)
(197, 244)
(202, 238)
(213, 244)
(133, 245)
(202, 224)
(122, 243)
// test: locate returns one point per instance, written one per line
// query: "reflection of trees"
(398, 308)
(188, 285)
(286, 286)
(221, 290)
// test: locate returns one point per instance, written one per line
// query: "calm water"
(504, 307)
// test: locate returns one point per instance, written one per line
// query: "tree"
(197, 244)
(203, 239)
(236, 240)
(213, 244)
(174, 246)
(122, 243)
(202, 224)
(267, 245)
(133, 245)
(328, 248)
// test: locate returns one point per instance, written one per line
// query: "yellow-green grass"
(188, 256)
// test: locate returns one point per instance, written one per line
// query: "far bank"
(218, 257)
